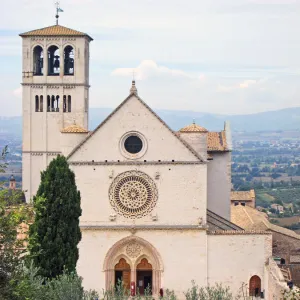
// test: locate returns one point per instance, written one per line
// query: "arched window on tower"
(41, 103)
(38, 61)
(52, 103)
(69, 103)
(48, 103)
(69, 60)
(65, 103)
(53, 61)
(36, 103)
(57, 103)
(255, 286)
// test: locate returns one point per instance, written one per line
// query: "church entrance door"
(144, 277)
(122, 273)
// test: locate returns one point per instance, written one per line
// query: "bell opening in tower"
(38, 61)
(53, 61)
(69, 61)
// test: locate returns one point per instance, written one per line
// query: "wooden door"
(124, 267)
(254, 286)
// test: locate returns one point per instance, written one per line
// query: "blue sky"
(220, 56)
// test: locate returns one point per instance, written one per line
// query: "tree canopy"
(55, 233)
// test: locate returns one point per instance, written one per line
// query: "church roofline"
(55, 30)
(133, 94)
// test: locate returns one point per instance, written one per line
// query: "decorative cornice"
(143, 227)
(238, 232)
(56, 85)
(133, 163)
(40, 153)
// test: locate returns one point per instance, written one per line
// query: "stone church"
(155, 202)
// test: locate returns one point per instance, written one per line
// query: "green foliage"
(119, 292)
(11, 219)
(67, 286)
(55, 233)
(293, 294)
(216, 292)
(169, 295)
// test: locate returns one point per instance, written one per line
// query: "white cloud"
(245, 84)
(149, 68)
(207, 56)
(18, 92)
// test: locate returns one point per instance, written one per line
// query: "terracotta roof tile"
(74, 129)
(216, 141)
(55, 30)
(242, 195)
(251, 219)
(193, 128)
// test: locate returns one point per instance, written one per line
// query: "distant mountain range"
(279, 120)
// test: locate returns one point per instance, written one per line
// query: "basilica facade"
(155, 202)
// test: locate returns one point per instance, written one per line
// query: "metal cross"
(57, 10)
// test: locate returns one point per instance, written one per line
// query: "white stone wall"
(68, 141)
(219, 184)
(234, 259)
(181, 194)
(41, 130)
(183, 254)
(133, 116)
(198, 141)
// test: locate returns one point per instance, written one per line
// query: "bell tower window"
(67, 104)
(41, 103)
(36, 103)
(38, 61)
(53, 61)
(69, 60)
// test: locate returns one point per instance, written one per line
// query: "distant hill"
(279, 120)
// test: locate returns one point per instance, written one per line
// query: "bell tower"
(55, 81)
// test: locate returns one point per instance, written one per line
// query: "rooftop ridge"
(55, 30)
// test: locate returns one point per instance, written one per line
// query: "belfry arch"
(135, 251)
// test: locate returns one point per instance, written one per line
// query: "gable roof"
(193, 128)
(216, 141)
(242, 195)
(74, 129)
(251, 219)
(134, 94)
(55, 30)
(216, 222)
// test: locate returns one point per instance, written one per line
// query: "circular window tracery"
(133, 194)
(133, 145)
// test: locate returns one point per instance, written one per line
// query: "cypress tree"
(55, 233)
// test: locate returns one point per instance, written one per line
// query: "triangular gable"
(186, 145)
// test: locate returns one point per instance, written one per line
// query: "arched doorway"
(144, 277)
(255, 286)
(122, 273)
(133, 250)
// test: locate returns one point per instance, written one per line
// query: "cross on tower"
(58, 10)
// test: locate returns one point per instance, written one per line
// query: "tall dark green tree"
(55, 233)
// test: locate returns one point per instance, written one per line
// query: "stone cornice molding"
(55, 85)
(144, 227)
(133, 163)
(238, 232)
(40, 153)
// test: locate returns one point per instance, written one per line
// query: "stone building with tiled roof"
(155, 202)
(285, 242)
(243, 198)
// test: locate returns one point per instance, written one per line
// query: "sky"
(216, 56)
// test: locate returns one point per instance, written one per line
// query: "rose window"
(133, 194)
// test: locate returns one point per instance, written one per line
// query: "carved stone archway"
(133, 249)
